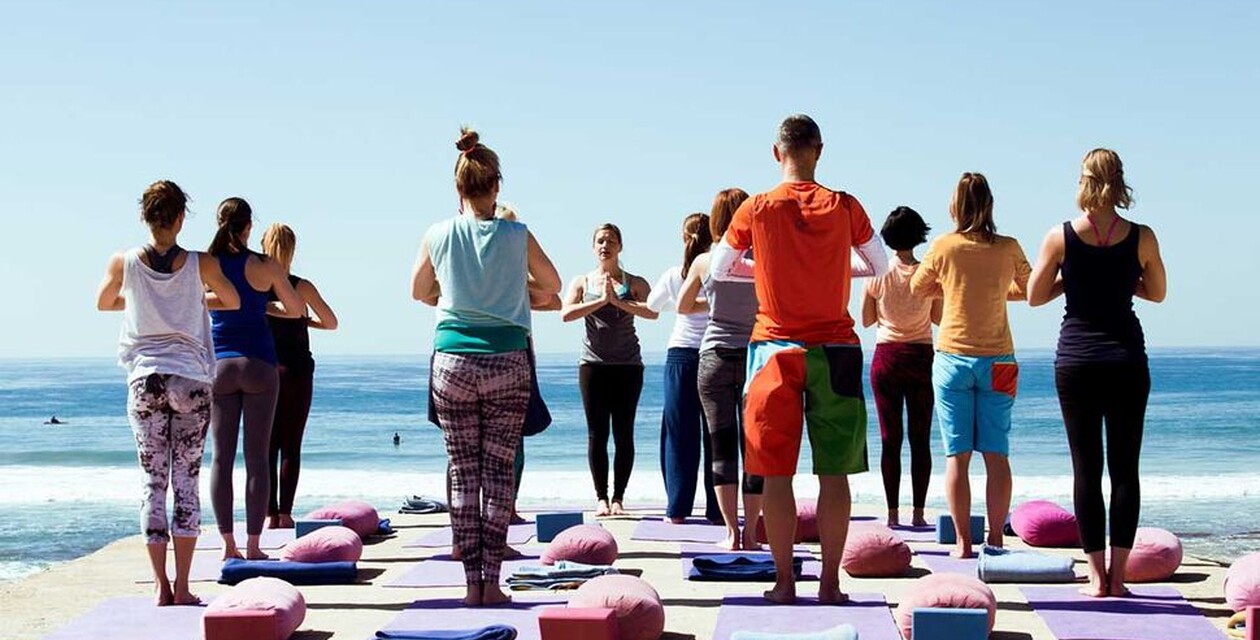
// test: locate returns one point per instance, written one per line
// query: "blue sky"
(340, 120)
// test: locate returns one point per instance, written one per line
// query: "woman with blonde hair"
(296, 370)
(974, 373)
(1099, 261)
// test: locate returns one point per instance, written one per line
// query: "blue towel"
(496, 632)
(383, 529)
(1003, 565)
(305, 573)
(842, 632)
(737, 567)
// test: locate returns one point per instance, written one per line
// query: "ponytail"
(234, 216)
(697, 241)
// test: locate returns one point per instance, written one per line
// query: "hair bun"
(467, 139)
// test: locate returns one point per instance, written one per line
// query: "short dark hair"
(797, 132)
(904, 229)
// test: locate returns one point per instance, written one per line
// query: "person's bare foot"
(1094, 589)
(601, 509)
(184, 597)
(230, 552)
(256, 554)
(894, 518)
(273, 522)
(164, 596)
(492, 595)
(617, 509)
(457, 555)
(1117, 589)
(749, 543)
(917, 520)
(781, 594)
(674, 520)
(962, 552)
(832, 595)
(286, 521)
(473, 597)
(996, 540)
(731, 543)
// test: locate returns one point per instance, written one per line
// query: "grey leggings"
(242, 386)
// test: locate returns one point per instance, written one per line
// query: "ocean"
(67, 490)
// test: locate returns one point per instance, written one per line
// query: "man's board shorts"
(790, 386)
(974, 398)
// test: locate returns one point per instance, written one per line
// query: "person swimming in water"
(54, 420)
(397, 439)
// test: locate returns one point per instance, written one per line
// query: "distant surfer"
(54, 420)
(397, 439)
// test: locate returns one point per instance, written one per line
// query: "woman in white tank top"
(166, 350)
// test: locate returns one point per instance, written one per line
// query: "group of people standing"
(214, 341)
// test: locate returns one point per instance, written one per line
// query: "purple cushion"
(1242, 583)
(326, 544)
(946, 591)
(874, 551)
(1042, 523)
(1156, 556)
(640, 614)
(359, 516)
(265, 594)
(587, 543)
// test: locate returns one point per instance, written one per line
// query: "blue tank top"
(244, 332)
(1099, 324)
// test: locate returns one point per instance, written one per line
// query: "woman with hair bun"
(611, 372)
(683, 431)
(167, 352)
(1099, 261)
(479, 271)
(296, 371)
(245, 381)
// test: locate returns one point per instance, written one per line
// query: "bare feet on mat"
(781, 594)
(256, 554)
(918, 520)
(601, 509)
(996, 540)
(962, 551)
(164, 595)
(473, 597)
(273, 522)
(286, 521)
(1095, 589)
(230, 552)
(832, 595)
(1116, 589)
(617, 509)
(749, 542)
(184, 597)
(674, 520)
(492, 595)
(894, 518)
(458, 555)
(731, 543)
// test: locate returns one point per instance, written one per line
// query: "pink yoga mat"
(939, 561)
(270, 538)
(867, 612)
(811, 568)
(1151, 613)
(441, 538)
(205, 568)
(693, 530)
(441, 571)
(133, 619)
(451, 615)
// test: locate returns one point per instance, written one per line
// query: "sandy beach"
(42, 603)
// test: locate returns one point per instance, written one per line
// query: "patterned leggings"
(169, 415)
(481, 401)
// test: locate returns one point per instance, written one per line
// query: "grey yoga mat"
(442, 571)
(517, 534)
(450, 614)
(133, 619)
(867, 612)
(1150, 613)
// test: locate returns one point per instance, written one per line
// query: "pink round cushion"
(640, 614)
(1242, 583)
(359, 516)
(947, 591)
(1042, 523)
(806, 523)
(1156, 556)
(326, 544)
(587, 543)
(874, 551)
(265, 594)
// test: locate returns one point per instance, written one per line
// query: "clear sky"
(340, 119)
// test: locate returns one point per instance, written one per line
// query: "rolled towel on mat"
(842, 632)
(421, 504)
(494, 632)
(560, 576)
(1003, 565)
(738, 567)
(298, 573)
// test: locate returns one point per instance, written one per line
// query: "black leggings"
(721, 385)
(293, 405)
(243, 388)
(1088, 394)
(610, 395)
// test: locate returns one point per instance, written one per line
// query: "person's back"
(1099, 324)
(976, 278)
(165, 326)
(243, 332)
(482, 265)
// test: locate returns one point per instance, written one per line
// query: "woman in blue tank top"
(1099, 262)
(245, 381)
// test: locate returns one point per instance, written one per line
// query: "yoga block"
(950, 624)
(563, 623)
(239, 624)
(945, 529)
(303, 527)
(550, 525)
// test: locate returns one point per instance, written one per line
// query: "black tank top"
(1099, 324)
(293, 339)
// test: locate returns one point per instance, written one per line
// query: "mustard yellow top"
(976, 279)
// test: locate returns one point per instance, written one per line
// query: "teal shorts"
(974, 398)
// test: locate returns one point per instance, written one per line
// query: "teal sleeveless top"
(483, 268)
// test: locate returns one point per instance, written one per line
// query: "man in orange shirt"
(805, 361)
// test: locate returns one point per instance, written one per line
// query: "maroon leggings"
(901, 377)
(292, 408)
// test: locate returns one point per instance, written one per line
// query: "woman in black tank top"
(296, 369)
(1099, 262)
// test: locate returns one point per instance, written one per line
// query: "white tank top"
(166, 328)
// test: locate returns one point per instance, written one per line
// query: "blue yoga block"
(945, 529)
(303, 527)
(550, 525)
(950, 624)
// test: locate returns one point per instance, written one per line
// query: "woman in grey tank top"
(610, 375)
(732, 309)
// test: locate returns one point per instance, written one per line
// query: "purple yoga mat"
(270, 538)
(867, 612)
(441, 571)
(1151, 613)
(916, 534)
(133, 619)
(206, 566)
(811, 568)
(938, 561)
(451, 615)
(517, 534)
(693, 530)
